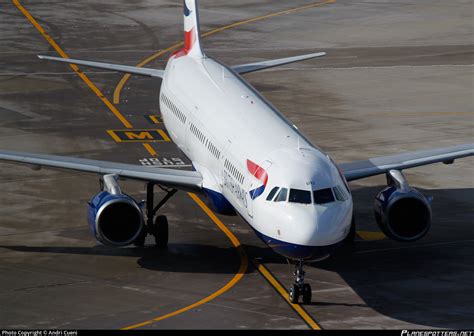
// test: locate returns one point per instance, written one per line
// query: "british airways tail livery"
(250, 161)
(192, 43)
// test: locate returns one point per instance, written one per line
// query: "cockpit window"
(282, 195)
(272, 193)
(341, 174)
(339, 193)
(300, 196)
(323, 196)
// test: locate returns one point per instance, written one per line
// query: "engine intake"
(115, 219)
(402, 212)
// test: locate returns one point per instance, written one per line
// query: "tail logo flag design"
(189, 39)
(260, 174)
(192, 46)
(187, 11)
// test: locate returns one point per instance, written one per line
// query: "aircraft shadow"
(177, 258)
(428, 282)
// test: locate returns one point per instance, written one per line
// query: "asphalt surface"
(398, 76)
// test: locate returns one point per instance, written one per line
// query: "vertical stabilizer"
(192, 43)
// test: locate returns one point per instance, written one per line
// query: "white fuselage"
(244, 148)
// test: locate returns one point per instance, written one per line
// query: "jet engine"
(402, 212)
(115, 219)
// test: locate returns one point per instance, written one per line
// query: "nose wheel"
(299, 288)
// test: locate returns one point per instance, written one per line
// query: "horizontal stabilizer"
(108, 66)
(251, 67)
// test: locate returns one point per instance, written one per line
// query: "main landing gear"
(299, 288)
(156, 226)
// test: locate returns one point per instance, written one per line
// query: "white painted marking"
(55, 73)
(163, 162)
(371, 67)
(332, 290)
(252, 311)
(415, 246)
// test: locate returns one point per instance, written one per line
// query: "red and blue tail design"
(192, 45)
(260, 174)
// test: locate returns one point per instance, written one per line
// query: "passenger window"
(300, 196)
(272, 193)
(282, 195)
(323, 196)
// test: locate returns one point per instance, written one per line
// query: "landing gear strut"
(158, 227)
(299, 288)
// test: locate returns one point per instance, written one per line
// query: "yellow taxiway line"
(240, 273)
(74, 67)
(150, 149)
(284, 294)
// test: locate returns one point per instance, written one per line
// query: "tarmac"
(398, 76)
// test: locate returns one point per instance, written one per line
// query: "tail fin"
(192, 43)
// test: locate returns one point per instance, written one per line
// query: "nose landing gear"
(299, 288)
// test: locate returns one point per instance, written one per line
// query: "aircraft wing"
(179, 179)
(251, 67)
(108, 66)
(380, 165)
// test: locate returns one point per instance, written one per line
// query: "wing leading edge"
(186, 180)
(108, 66)
(240, 69)
(251, 67)
(380, 165)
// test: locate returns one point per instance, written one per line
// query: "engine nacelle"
(115, 219)
(402, 212)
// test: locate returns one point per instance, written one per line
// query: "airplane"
(249, 161)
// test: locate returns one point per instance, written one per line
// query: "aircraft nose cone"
(325, 225)
(332, 225)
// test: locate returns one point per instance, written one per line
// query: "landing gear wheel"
(306, 293)
(299, 288)
(159, 227)
(294, 293)
(140, 241)
(160, 232)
